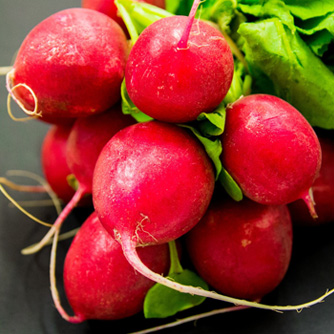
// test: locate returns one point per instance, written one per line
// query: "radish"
(270, 150)
(242, 249)
(109, 8)
(178, 68)
(86, 139)
(54, 164)
(99, 282)
(323, 190)
(152, 183)
(70, 65)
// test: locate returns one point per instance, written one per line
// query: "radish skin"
(242, 249)
(178, 68)
(270, 150)
(98, 281)
(71, 65)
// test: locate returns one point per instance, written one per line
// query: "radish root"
(57, 224)
(43, 187)
(129, 249)
(5, 69)
(53, 284)
(31, 114)
(191, 318)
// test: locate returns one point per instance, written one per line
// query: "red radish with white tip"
(270, 150)
(70, 65)
(242, 249)
(178, 68)
(99, 282)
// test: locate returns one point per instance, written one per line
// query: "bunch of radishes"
(153, 182)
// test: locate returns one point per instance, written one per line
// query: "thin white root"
(130, 252)
(31, 113)
(57, 224)
(63, 236)
(5, 69)
(5, 193)
(55, 200)
(191, 318)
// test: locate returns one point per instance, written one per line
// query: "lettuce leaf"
(296, 73)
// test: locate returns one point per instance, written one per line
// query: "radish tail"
(58, 223)
(191, 318)
(308, 199)
(130, 252)
(53, 285)
(183, 43)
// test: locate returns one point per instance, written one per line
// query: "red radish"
(70, 65)
(152, 183)
(86, 139)
(109, 8)
(54, 164)
(178, 68)
(99, 282)
(270, 150)
(242, 249)
(323, 190)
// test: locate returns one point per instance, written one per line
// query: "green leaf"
(268, 9)
(212, 124)
(319, 42)
(218, 11)
(241, 83)
(306, 9)
(297, 74)
(230, 186)
(72, 181)
(162, 302)
(212, 147)
(128, 107)
(139, 15)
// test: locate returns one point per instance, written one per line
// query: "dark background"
(25, 300)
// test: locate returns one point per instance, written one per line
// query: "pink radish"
(178, 68)
(109, 8)
(152, 183)
(99, 282)
(323, 190)
(86, 139)
(270, 150)
(71, 64)
(242, 249)
(54, 164)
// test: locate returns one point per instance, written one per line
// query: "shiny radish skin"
(270, 150)
(152, 183)
(88, 137)
(242, 249)
(323, 191)
(175, 83)
(74, 63)
(53, 160)
(99, 282)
